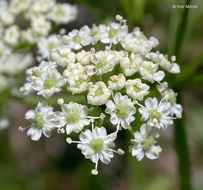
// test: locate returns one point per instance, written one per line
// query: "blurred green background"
(50, 164)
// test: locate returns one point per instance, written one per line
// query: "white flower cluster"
(119, 75)
(25, 23)
(37, 15)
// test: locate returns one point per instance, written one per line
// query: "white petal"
(114, 119)
(137, 137)
(85, 136)
(175, 68)
(110, 106)
(34, 133)
(117, 97)
(159, 76)
(151, 103)
(100, 131)
(69, 129)
(30, 114)
(125, 124)
(143, 129)
(46, 131)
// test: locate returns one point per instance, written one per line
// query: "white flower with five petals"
(98, 93)
(73, 117)
(143, 143)
(156, 114)
(97, 145)
(41, 121)
(148, 71)
(136, 89)
(121, 110)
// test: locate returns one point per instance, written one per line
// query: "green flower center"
(136, 88)
(72, 118)
(142, 37)
(94, 31)
(60, 12)
(121, 111)
(49, 83)
(172, 98)
(36, 73)
(96, 145)
(77, 39)
(149, 69)
(39, 121)
(99, 92)
(78, 83)
(101, 64)
(147, 143)
(51, 45)
(154, 114)
(113, 33)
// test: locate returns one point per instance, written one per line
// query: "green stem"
(181, 30)
(179, 128)
(181, 146)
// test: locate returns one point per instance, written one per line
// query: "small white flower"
(45, 79)
(130, 65)
(41, 121)
(91, 70)
(116, 82)
(7, 18)
(12, 35)
(148, 71)
(97, 145)
(47, 45)
(18, 6)
(157, 114)
(76, 39)
(136, 89)
(95, 35)
(62, 13)
(74, 70)
(163, 61)
(40, 25)
(43, 6)
(175, 109)
(11, 63)
(113, 33)
(121, 110)
(98, 94)
(73, 117)
(78, 84)
(137, 42)
(63, 56)
(83, 57)
(143, 143)
(104, 61)
(77, 78)
(30, 36)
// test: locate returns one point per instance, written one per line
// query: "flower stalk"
(180, 134)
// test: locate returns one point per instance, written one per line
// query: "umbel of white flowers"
(116, 71)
